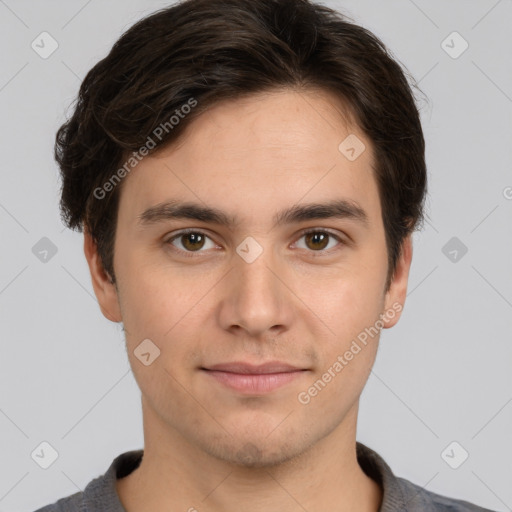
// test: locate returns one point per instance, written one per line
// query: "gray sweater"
(399, 494)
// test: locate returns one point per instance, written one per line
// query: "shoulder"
(100, 494)
(418, 499)
(401, 495)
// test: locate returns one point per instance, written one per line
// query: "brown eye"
(319, 240)
(193, 241)
(190, 241)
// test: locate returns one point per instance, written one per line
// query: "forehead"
(254, 153)
(280, 120)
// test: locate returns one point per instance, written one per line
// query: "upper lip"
(241, 367)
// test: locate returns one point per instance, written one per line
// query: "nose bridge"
(257, 275)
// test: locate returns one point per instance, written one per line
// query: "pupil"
(194, 239)
(318, 237)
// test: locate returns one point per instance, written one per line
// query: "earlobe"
(396, 295)
(104, 289)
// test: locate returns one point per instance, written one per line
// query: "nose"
(256, 297)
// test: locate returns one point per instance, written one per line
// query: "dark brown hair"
(216, 50)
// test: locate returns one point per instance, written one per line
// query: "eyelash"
(191, 254)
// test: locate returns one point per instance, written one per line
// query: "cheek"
(152, 294)
(166, 307)
(155, 310)
(347, 354)
(348, 310)
(344, 300)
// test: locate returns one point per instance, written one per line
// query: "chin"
(253, 451)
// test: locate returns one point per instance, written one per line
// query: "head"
(255, 119)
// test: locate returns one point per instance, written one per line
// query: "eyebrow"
(173, 209)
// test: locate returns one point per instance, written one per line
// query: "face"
(269, 278)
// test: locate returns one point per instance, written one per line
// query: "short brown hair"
(216, 50)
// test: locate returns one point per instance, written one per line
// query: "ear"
(104, 289)
(395, 296)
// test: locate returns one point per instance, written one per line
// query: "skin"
(207, 446)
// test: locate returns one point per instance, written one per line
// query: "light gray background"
(442, 374)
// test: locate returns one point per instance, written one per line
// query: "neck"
(175, 475)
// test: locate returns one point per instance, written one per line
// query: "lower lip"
(251, 383)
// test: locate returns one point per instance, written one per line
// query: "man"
(248, 175)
